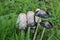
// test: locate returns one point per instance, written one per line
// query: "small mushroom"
(30, 18)
(41, 13)
(22, 21)
(31, 22)
(46, 24)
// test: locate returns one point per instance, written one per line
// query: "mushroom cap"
(22, 20)
(41, 13)
(30, 18)
(46, 24)
(37, 18)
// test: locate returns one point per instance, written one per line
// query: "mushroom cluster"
(32, 20)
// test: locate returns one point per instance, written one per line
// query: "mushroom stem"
(36, 30)
(22, 34)
(28, 34)
(42, 34)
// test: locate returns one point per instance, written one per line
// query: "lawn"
(10, 9)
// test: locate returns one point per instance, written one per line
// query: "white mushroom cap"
(22, 20)
(30, 18)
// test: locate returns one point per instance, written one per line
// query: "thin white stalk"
(22, 34)
(28, 33)
(34, 38)
(42, 34)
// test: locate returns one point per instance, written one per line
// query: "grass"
(10, 9)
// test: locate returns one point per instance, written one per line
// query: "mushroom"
(40, 14)
(30, 18)
(46, 24)
(22, 21)
(30, 21)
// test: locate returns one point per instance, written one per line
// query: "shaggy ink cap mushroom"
(41, 13)
(22, 21)
(30, 19)
(46, 24)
